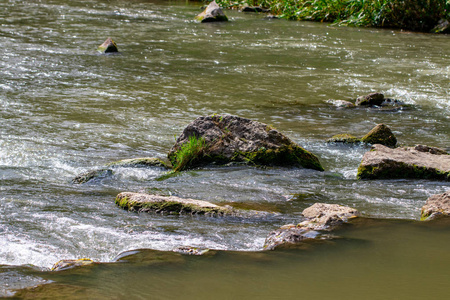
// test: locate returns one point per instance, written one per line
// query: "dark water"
(64, 109)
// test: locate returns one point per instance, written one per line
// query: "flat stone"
(344, 138)
(436, 206)
(384, 163)
(141, 202)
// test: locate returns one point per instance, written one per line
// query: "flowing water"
(66, 109)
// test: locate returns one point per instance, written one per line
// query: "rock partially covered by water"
(108, 170)
(169, 204)
(212, 13)
(380, 134)
(340, 103)
(248, 8)
(108, 46)
(235, 139)
(188, 250)
(436, 206)
(66, 264)
(373, 99)
(409, 162)
(344, 138)
(319, 217)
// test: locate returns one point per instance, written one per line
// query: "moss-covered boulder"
(344, 138)
(380, 134)
(436, 206)
(66, 264)
(212, 13)
(320, 219)
(409, 162)
(108, 46)
(108, 169)
(228, 139)
(140, 202)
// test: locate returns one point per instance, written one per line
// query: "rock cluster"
(380, 134)
(319, 217)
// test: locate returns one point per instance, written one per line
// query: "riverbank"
(415, 15)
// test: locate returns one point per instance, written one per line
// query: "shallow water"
(65, 109)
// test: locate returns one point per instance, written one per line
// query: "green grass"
(189, 153)
(416, 15)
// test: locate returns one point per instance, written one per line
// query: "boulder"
(374, 99)
(108, 46)
(108, 170)
(344, 138)
(436, 206)
(320, 217)
(409, 162)
(380, 134)
(66, 264)
(234, 139)
(212, 13)
(443, 26)
(169, 204)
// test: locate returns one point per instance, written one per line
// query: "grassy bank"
(416, 15)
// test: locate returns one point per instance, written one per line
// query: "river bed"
(66, 109)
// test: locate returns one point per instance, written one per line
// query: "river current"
(66, 109)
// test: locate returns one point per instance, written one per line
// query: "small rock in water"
(374, 99)
(340, 103)
(344, 138)
(380, 134)
(443, 26)
(212, 13)
(436, 206)
(108, 46)
(188, 250)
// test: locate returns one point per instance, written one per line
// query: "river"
(66, 109)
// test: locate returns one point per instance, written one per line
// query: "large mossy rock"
(410, 162)
(212, 13)
(108, 46)
(235, 139)
(436, 206)
(380, 134)
(320, 217)
(141, 202)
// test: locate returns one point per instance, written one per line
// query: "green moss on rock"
(344, 138)
(380, 134)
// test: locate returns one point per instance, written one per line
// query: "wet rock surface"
(373, 99)
(235, 139)
(409, 162)
(344, 138)
(66, 264)
(108, 46)
(212, 13)
(320, 218)
(436, 206)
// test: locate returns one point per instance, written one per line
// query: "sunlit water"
(65, 109)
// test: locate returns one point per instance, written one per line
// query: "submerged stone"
(340, 103)
(410, 162)
(212, 13)
(108, 46)
(436, 206)
(66, 264)
(234, 139)
(188, 250)
(108, 170)
(320, 217)
(380, 134)
(344, 138)
(168, 204)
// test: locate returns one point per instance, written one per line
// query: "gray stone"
(436, 206)
(212, 13)
(384, 163)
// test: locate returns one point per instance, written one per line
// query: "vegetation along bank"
(415, 15)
